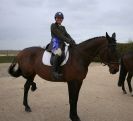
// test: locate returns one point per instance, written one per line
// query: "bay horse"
(74, 71)
(126, 70)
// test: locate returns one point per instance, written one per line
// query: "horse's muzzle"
(113, 69)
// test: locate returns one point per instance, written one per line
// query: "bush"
(6, 59)
(121, 48)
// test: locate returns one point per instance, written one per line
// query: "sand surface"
(100, 98)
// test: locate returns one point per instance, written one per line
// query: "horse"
(29, 63)
(126, 70)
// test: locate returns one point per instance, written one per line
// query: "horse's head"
(109, 55)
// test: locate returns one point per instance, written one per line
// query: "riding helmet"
(59, 14)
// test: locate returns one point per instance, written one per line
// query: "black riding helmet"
(59, 14)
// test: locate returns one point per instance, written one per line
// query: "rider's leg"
(56, 64)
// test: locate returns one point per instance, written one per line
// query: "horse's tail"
(122, 74)
(12, 71)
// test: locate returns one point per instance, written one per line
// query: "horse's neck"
(90, 48)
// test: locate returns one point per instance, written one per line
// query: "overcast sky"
(25, 23)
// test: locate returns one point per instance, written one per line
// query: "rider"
(59, 37)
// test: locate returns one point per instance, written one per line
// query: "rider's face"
(58, 20)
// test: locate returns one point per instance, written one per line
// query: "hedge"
(6, 59)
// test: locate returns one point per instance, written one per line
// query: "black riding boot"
(56, 67)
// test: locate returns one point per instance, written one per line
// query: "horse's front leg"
(129, 77)
(123, 87)
(25, 101)
(74, 88)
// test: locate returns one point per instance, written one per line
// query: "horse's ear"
(114, 35)
(107, 36)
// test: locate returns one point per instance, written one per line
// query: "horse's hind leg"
(129, 77)
(26, 89)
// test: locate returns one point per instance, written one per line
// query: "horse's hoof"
(76, 119)
(33, 89)
(131, 93)
(124, 92)
(28, 109)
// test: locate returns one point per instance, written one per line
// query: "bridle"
(111, 62)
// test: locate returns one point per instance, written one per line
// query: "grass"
(6, 59)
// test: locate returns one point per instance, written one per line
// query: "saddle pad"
(47, 55)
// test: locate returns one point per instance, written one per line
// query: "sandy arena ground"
(100, 99)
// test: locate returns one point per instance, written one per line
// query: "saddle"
(47, 57)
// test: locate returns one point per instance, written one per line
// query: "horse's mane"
(92, 39)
